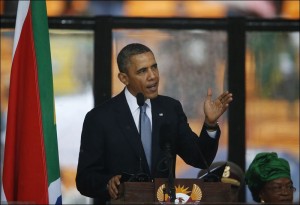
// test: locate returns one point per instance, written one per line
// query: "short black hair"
(124, 55)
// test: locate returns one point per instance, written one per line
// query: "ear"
(123, 78)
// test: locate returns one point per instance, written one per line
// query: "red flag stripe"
(24, 160)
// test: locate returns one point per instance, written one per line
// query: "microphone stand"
(171, 186)
(140, 132)
(209, 177)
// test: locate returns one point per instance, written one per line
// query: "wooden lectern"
(187, 190)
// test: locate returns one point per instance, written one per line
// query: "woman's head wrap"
(264, 168)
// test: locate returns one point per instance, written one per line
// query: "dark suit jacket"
(111, 145)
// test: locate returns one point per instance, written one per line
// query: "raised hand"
(213, 109)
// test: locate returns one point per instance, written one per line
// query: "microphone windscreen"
(140, 99)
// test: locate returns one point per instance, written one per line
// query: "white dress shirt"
(135, 110)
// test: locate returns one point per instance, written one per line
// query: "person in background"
(232, 174)
(269, 179)
(254, 9)
(107, 7)
(111, 145)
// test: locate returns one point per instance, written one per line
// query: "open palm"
(213, 109)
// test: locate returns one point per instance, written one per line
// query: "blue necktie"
(146, 134)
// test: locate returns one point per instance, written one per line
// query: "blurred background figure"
(261, 8)
(232, 175)
(185, 8)
(67, 8)
(269, 179)
(107, 7)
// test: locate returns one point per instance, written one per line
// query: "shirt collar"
(131, 100)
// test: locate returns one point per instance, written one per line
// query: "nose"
(286, 191)
(151, 74)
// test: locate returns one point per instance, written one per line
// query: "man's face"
(278, 191)
(142, 75)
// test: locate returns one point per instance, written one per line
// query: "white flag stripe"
(23, 7)
(3, 197)
(54, 191)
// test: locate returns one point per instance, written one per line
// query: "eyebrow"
(154, 65)
(143, 68)
(140, 69)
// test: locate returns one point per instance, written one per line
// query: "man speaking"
(120, 138)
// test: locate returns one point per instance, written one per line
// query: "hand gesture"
(213, 109)
(112, 186)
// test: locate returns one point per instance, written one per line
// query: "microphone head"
(140, 99)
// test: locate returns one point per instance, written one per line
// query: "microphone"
(140, 99)
(209, 176)
(140, 176)
(166, 142)
(212, 175)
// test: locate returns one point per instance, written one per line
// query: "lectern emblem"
(183, 194)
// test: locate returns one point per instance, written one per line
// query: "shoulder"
(108, 107)
(166, 100)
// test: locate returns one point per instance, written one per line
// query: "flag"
(31, 165)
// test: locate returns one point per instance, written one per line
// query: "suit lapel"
(126, 123)
(130, 132)
(129, 129)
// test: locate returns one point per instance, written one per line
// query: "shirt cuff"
(212, 134)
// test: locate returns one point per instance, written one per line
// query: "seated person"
(269, 179)
(230, 173)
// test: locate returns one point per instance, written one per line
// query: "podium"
(187, 191)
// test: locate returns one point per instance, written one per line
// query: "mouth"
(286, 200)
(152, 87)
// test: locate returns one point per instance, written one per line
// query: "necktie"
(146, 134)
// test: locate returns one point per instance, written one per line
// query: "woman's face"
(278, 191)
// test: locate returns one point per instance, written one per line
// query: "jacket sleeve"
(91, 179)
(198, 151)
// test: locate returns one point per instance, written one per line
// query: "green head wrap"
(264, 168)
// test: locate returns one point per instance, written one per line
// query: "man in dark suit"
(111, 144)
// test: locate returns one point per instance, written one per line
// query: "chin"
(152, 96)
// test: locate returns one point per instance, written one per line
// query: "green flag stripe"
(43, 56)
